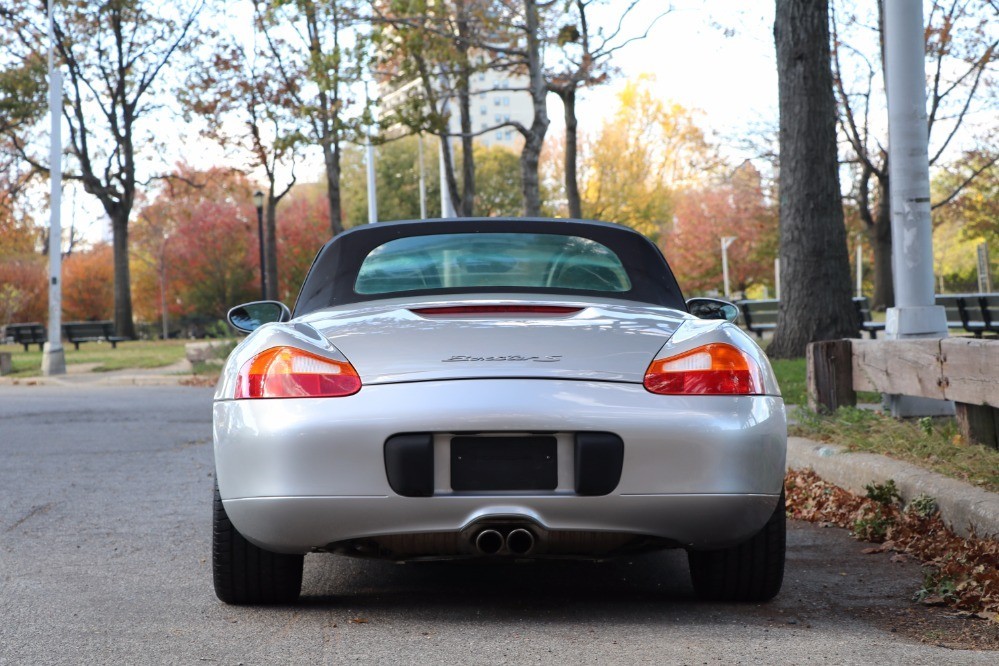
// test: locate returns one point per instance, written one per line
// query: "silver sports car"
(486, 388)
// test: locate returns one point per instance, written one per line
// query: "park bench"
(760, 315)
(974, 313)
(91, 331)
(990, 311)
(27, 334)
(871, 327)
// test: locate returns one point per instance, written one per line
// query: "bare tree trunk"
(123, 324)
(571, 178)
(464, 103)
(331, 156)
(880, 235)
(534, 137)
(815, 266)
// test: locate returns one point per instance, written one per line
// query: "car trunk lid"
(423, 341)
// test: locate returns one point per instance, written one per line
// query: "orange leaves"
(88, 284)
(963, 573)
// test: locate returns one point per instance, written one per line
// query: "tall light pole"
(860, 266)
(54, 357)
(915, 314)
(423, 178)
(258, 201)
(372, 182)
(725, 242)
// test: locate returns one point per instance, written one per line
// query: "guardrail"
(964, 370)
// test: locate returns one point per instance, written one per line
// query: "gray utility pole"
(725, 242)
(423, 178)
(914, 314)
(372, 186)
(447, 208)
(54, 357)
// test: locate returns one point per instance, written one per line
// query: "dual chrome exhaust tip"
(518, 541)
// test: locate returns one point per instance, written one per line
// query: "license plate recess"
(480, 463)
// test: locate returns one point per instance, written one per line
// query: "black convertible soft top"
(331, 279)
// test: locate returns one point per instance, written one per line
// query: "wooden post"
(979, 424)
(830, 375)
(6, 364)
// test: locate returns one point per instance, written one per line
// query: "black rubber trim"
(599, 460)
(409, 464)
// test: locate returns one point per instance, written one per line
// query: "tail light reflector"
(287, 372)
(713, 369)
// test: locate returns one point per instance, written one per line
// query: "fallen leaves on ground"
(961, 573)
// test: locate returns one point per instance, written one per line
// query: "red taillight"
(287, 372)
(495, 309)
(712, 369)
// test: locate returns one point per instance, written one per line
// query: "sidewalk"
(81, 374)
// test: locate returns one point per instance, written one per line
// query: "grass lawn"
(793, 381)
(791, 378)
(135, 354)
(931, 443)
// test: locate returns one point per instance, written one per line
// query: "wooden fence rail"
(964, 370)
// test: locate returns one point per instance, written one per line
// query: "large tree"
(114, 54)
(429, 52)
(815, 267)
(249, 110)
(642, 155)
(318, 52)
(440, 44)
(586, 60)
(961, 52)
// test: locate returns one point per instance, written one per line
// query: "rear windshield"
(490, 260)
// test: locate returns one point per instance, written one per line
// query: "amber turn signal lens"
(287, 372)
(713, 369)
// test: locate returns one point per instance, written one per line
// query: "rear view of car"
(495, 389)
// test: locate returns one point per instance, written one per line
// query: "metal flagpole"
(54, 357)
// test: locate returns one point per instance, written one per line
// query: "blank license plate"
(503, 463)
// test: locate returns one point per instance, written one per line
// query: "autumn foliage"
(736, 207)
(88, 285)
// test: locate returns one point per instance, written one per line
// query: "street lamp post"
(725, 242)
(258, 201)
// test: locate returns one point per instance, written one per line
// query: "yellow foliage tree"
(641, 157)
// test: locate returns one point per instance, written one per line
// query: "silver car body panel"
(387, 342)
(299, 474)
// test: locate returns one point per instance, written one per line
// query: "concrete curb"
(963, 507)
(170, 375)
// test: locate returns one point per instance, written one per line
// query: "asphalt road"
(105, 497)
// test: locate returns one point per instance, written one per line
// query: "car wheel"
(751, 571)
(246, 574)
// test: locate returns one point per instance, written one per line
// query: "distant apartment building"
(498, 97)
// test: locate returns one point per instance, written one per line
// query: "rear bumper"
(299, 474)
(302, 524)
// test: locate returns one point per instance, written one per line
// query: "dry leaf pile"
(961, 573)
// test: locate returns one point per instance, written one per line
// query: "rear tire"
(246, 574)
(751, 571)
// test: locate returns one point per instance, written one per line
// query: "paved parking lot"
(104, 537)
